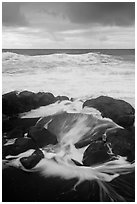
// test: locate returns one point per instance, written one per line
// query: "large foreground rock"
(119, 111)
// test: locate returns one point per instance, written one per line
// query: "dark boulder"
(7, 150)
(61, 98)
(18, 123)
(45, 98)
(14, 103)
(15, 133)
(5, 117)
(33, 160)
(82, 143)
(42, 136)
(28, 99)
(126, 120)
(119, 111)
(10, 104)
(22, 145)
(19, 146)
(96, 153)
(123, 142)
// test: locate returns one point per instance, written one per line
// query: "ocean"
(101, 170)
(76, 73)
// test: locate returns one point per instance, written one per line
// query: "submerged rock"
(33, 160)
(119, 111)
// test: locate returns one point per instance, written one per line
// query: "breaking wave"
(77, 76)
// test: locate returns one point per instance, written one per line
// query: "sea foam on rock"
(119, 111)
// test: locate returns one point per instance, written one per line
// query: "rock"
(14, 103)
(28, 99)
(119, 111)
(20, 123)
(10, 104)
(82, 143)
(15, 133)
(123, 143)
(42, 136)
(45, 98)
(61, 98)
(5, 117)
(33, 160)
(126, 120)
(22, 145)
(7, 150)
(96, 153)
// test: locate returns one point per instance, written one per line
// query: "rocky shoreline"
(28, 135)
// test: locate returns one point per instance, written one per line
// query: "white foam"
(76, 76)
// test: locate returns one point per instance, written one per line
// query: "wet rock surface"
(123, 143)
(119, 111)
(20, 145)
(14, 123)
(17, 184)
(33, 160)
(96, 153)
(14, 103)
(62, 98)
(42, 136)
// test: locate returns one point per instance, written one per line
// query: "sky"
(68, 25)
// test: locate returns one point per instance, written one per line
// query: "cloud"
(12, 15)
(99, 37)
(108, 13)
(68, 24)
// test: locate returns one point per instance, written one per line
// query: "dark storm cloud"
(108, 13)
(12, 15)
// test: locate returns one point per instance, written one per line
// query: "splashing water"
(58, 160)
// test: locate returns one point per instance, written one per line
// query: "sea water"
(80, 74)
